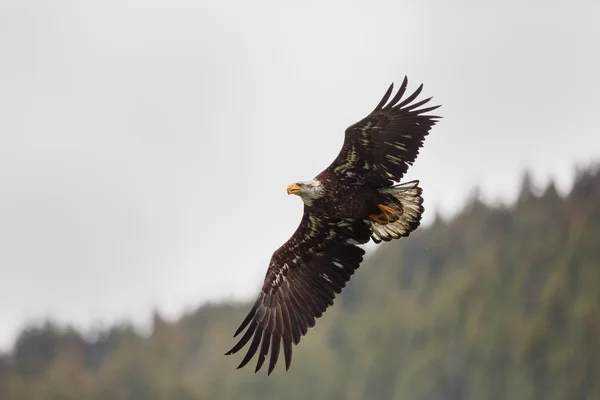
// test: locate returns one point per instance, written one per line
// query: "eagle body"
(354, 200)
(346, 198)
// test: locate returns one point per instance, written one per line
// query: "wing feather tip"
(239, 330)
(385, 98)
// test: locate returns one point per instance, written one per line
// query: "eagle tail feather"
(406, 200)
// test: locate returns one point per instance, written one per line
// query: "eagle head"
(307, 190)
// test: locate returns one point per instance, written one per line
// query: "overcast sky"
(145, 146)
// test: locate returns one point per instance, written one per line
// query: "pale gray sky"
(145, 146)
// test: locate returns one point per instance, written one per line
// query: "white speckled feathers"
(313, 266)
(379, 148)
(407, 199)
(303, 278)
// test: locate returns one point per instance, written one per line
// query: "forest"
(497, 302)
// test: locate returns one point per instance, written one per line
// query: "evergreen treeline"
(498, 303)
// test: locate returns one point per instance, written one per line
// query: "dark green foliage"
(498, 303)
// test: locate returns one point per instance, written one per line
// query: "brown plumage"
(353, 200)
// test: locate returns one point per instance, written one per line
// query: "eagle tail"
(407, 203)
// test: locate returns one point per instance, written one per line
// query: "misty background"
(145, 146)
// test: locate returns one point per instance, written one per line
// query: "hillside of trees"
(500, 302)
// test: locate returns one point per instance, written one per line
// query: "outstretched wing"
(302, 280)
(379, 149)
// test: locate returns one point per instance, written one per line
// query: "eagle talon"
(380, 218)
(384, 217)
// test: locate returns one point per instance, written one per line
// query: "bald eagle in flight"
(353, 200)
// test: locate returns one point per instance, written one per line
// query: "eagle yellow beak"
(293, 189)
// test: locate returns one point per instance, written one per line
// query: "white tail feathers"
(407, 203)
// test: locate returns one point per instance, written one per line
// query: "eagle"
(356, 199)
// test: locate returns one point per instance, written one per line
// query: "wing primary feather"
(294, 321)
(323, 291)
(411, 97)
(294, 308)
(315, 292)
(417, 104)
(302, 298)
(398, 95)
(271, 300)
(247, 319)
(298, 301)
(253, 347)
(260, 313)
(286, 320)
(279, 323)
(264, 349)
(287, 353)
(424, 110)
(244, 338)
(404, 83)
(275, 345)
(287, 335)
(304, 313)
(313, 302)
(385, 98)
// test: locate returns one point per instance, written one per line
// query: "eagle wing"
(379, 149)
(302, 280)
